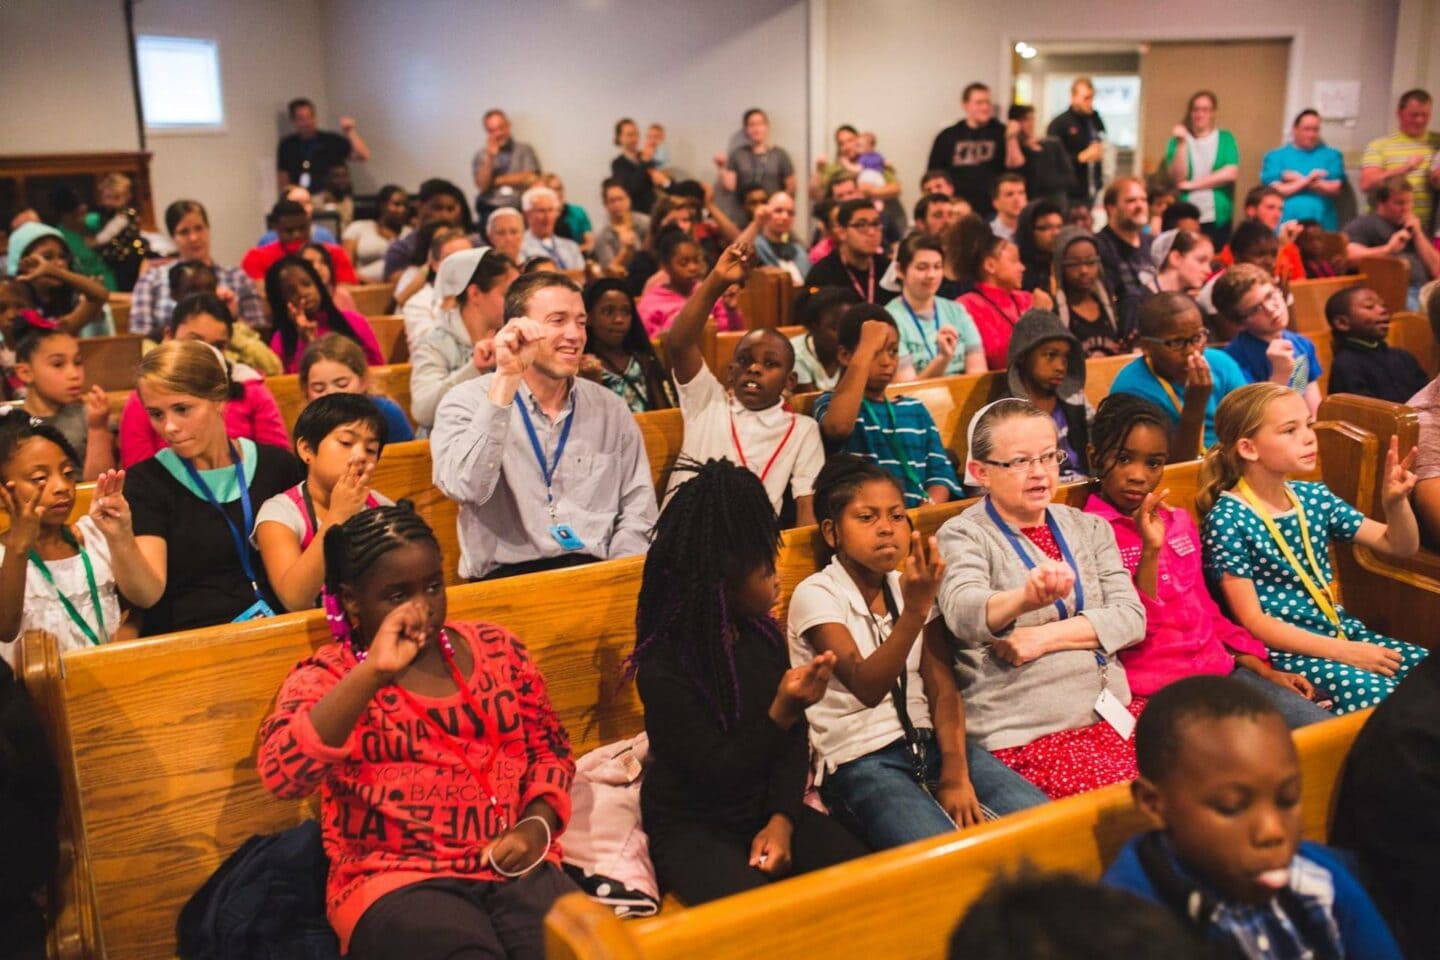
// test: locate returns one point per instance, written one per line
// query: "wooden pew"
(1412, 331)
(1307, 311)
(390, 332)
(120, 312)
(111, 361)
(393, 380)
(1389, 277)
(372, 299)
(765, 297)
(912, 897)
(161, 788)
(1400, 598)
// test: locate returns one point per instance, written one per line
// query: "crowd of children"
(1029, 651)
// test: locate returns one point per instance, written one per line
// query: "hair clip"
(34, 319)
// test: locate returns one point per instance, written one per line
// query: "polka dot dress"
(1237, 543)
(1068, 762)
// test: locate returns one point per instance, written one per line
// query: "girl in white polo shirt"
(891, 774)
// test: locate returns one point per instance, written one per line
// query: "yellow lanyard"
(1320, 590)
(1175, 399)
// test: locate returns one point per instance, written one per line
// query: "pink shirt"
(255, 415)
(996, 311)
(1185, 632)
(363, 332)
(659, 304)
(822, 249)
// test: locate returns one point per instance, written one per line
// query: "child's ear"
(1090, 459)
(1245, 447)
(304, 452)
(1340, 324)
(792, 381)
(844, 355)
(25, 372)
(1150, 801)
(349, 604)
(830, 534)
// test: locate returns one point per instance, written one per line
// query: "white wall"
(270, 51)
(1417, 47)
(931, 48)
(65, 90)
(564, 71)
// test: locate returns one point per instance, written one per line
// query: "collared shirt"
(904, 429)
(808, 367)
(151, 304)
(841, 727)
(565, 253)
(483, 459)
(711, 413)
(1185, 632)
(1138, 379)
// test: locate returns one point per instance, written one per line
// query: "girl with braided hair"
(723, 799)
(1186, 634)
(444, 774)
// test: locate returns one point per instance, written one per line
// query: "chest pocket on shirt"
(592, 478)
(1185, 575)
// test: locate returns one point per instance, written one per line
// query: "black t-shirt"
(315, 156)
(1048, 172)
(635, 180)
(974, 157)
(831, 271)
(1077, 131)
(204, 582)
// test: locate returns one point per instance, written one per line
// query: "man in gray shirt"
(504, 168)
(549, 470)
(1392, 230)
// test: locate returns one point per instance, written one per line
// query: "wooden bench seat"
(903, 903)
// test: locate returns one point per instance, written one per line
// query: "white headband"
(970, 431)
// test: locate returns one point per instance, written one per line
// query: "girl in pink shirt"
(1185, 632)
(302, 310)
(683, 264)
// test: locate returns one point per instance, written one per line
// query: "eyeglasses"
(1270, 297)
(1179, 344)
(1087, 262)
(864, 225)
(1055, 458)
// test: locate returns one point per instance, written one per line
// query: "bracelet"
(538, 860)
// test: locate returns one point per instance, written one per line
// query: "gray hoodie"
(1032, 329)
(442, 359)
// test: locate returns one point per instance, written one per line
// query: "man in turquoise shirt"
(1308, 173)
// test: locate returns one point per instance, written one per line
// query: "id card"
(566, 537)
(1113, 712)
(258, 610)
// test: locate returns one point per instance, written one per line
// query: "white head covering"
(1161, 247)
(456, 270)
(970, 430)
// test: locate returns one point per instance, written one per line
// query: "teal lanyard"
(90, 634)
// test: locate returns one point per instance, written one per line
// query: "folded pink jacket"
(253, 414)
(1185, 632)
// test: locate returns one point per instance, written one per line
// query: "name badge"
(258, 610)
(566, 537)
(1113, 712)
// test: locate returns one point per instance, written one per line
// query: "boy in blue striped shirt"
(896, 432)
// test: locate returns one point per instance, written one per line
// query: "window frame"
(152, 128)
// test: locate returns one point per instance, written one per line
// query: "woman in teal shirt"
(1308, 172)
(1204, 162)
(937, 335)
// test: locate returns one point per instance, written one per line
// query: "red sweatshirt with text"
(397, 804)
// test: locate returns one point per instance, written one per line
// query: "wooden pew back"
(1412, 331)
(913, 896)
(1308, 309)
(111, 361)
(372, 299)
(390, 332)
(1389, 277)
(726, 342)
(120, 312)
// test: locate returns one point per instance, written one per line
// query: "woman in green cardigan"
(1204, 162)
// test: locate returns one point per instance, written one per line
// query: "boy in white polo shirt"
(748, 424)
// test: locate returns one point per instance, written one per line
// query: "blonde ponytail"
(1238, 417)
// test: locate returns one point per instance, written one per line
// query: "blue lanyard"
(1030, 564)
(242, 547)
(930, 348)
(546, 470)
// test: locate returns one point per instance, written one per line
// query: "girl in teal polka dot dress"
(1267, 546)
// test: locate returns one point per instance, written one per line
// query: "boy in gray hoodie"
(1047, 367)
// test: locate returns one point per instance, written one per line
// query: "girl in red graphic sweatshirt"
(443, 772)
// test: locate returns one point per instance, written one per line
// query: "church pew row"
(1389, 277)
(1402, 597)
(156, 738)
(902, 904)
(372, 299)
(390, 334)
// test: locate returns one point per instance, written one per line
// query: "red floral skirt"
(1074, 761)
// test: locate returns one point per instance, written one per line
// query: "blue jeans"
(1297, 711)
(877, 798)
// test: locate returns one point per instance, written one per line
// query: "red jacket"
(258, 261)
(397, 806)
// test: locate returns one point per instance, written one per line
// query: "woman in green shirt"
(1204, 162)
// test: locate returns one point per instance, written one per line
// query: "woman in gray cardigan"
(1039, 601)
